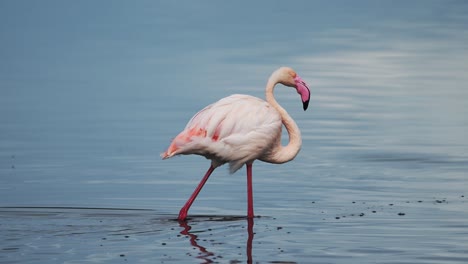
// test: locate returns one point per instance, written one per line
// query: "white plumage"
(216, 133)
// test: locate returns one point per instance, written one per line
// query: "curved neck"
(281, 154)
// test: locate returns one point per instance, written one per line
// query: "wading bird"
(240, 129)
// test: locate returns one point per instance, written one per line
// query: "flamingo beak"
(303, 90)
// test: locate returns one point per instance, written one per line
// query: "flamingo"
(240, 129)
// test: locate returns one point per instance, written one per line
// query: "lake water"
(91, 93)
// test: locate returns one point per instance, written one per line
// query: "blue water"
(91, 93)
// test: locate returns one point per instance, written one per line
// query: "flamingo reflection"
(207, 255)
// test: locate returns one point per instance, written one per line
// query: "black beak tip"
(305, 104)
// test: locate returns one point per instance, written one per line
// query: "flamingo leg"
(183, 212)
(250, 212)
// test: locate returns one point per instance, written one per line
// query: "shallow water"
(431, 231)
(89, 100)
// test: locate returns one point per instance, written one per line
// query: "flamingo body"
(236, 129)
(239, 129)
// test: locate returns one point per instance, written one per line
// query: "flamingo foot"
(183, 214)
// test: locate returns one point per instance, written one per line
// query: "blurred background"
(92, 92)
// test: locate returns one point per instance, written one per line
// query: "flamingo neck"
(282, 154)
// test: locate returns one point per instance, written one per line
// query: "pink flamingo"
(239, 129)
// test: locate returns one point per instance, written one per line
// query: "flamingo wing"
(236, 129)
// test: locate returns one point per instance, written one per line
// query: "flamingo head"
(303, 90)
(289, 77)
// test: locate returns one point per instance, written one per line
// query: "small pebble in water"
(401, 214)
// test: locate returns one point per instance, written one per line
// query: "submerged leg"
(250, 212)
(183, 212)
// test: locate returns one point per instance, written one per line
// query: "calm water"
(92, 93)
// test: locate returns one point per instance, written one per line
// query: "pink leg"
(250, 224)
(250, 212)
(183, 212)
